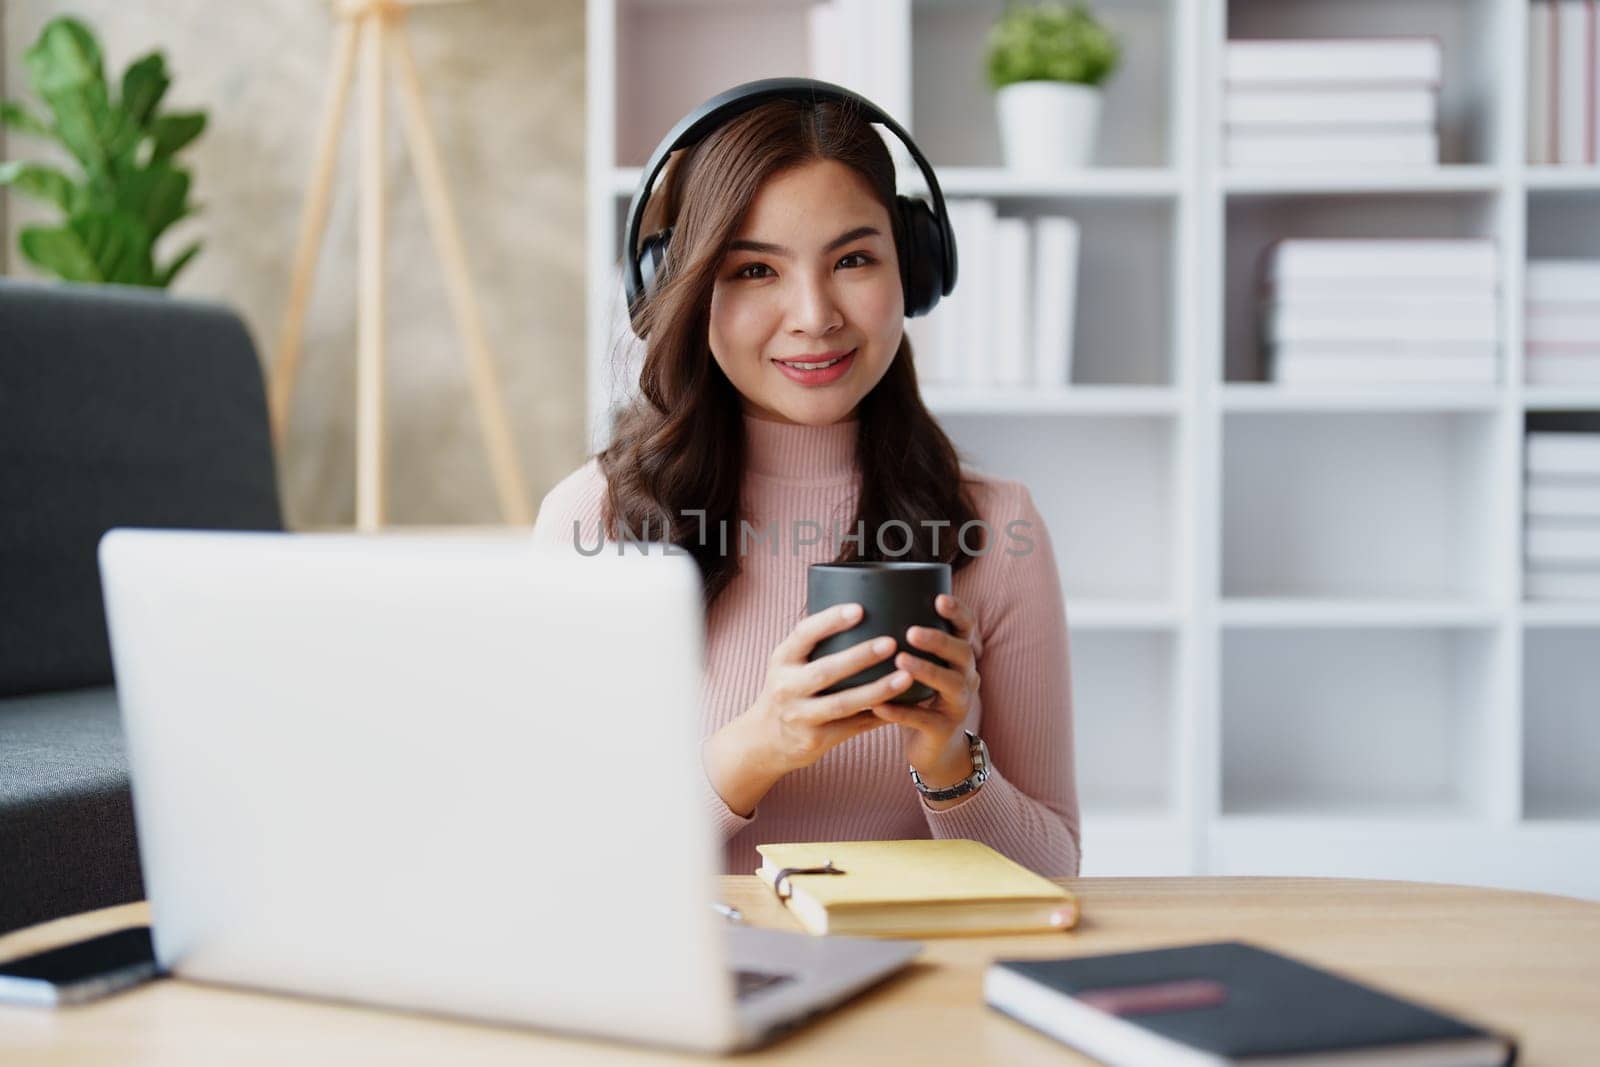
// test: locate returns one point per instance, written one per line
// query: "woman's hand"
(789, 726)
(935, 742)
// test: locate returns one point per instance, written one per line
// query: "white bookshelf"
(1298, 639)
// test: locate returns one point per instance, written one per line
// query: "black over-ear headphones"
(927, 256)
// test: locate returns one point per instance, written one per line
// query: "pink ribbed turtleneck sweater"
(861, 790)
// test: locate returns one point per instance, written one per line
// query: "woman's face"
(811, 276)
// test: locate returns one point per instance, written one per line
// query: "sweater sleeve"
(569, 517)
(1028, 809)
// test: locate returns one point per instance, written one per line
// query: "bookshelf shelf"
(1558, 615)
(1299, 642)
(1107, 183)
(1561, 675)
(1359, 505)
(1126, 614)
(1442, 179)
(1269, 397)
(1072, 400)
(1550, 398)
(1266, 612)
(1545, 177)
(1337, 721)
(1124, 683)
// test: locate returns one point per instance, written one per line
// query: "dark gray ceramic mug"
(894, 597)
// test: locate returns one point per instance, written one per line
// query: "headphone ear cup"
(922, 256)
(652, 258)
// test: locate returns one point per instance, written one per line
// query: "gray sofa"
(118, 407)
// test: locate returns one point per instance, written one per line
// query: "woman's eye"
(862, 256)
(744, 272)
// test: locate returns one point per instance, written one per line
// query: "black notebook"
(1227, 1003)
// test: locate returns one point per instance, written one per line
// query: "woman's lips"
(818, 377)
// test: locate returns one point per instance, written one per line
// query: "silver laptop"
(443, 774)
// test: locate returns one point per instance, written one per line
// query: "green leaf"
(1050, 41)
(83, 117)
(18, 117)
(157, 197)
(164, 277)
(65, 56)
(59, 250)
(119, 245)
(174, 130)
(143, 85)
(39, 181)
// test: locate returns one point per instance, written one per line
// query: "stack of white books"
(1010, 320)
(1563, 90)
(859, 44)
(1350, 311)
(1562, 322)
(1338, 100)
(1562, 511)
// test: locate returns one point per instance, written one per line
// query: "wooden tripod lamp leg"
(313, 223)
(515, 505)
(370, 245)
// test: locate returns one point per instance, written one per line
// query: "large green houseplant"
(130, 188)
(1046, 63)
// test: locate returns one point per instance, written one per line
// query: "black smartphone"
(87, 970)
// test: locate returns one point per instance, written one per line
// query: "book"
(1355, 320)
(1562, 542)
(1562, 501)
(1593, 59)
(1562, 370)
(1462, 259)
(1576, 326)
(1337, 61)
(1055, 298)
(1541, 91)
(1573, 100)
(1318, 106)
(971, 334)
(1563, 453)
(1562, 281)
(1011, 332)
(1386, 370)
(1229, 1002)
(923, 333)
(1410, 147)
(1396, 348)
(1561, 585)
(1353, 287)
(916, 888)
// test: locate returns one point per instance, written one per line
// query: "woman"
(785, 251)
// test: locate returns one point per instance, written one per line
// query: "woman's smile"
(816, 371)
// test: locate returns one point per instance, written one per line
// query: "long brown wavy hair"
(679, 446)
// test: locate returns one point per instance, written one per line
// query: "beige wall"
(505, 88)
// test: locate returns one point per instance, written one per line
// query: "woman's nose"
(815, 309)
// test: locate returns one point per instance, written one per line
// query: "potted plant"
(1046, 63)
(130, 190)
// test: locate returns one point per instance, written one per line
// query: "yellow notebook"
(916, 889)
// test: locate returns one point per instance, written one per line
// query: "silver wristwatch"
(980, 773)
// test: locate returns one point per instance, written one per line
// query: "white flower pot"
(1048, 125)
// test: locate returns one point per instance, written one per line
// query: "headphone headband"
(736, 101)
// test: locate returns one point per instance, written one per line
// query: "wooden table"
(1523, 962)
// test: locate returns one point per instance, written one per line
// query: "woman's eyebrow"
(778, 250)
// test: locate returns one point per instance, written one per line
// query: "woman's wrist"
(953, 766)
(733, 764)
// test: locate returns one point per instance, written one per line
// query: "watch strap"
(970, 784)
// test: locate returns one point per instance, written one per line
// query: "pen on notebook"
(732, 914)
